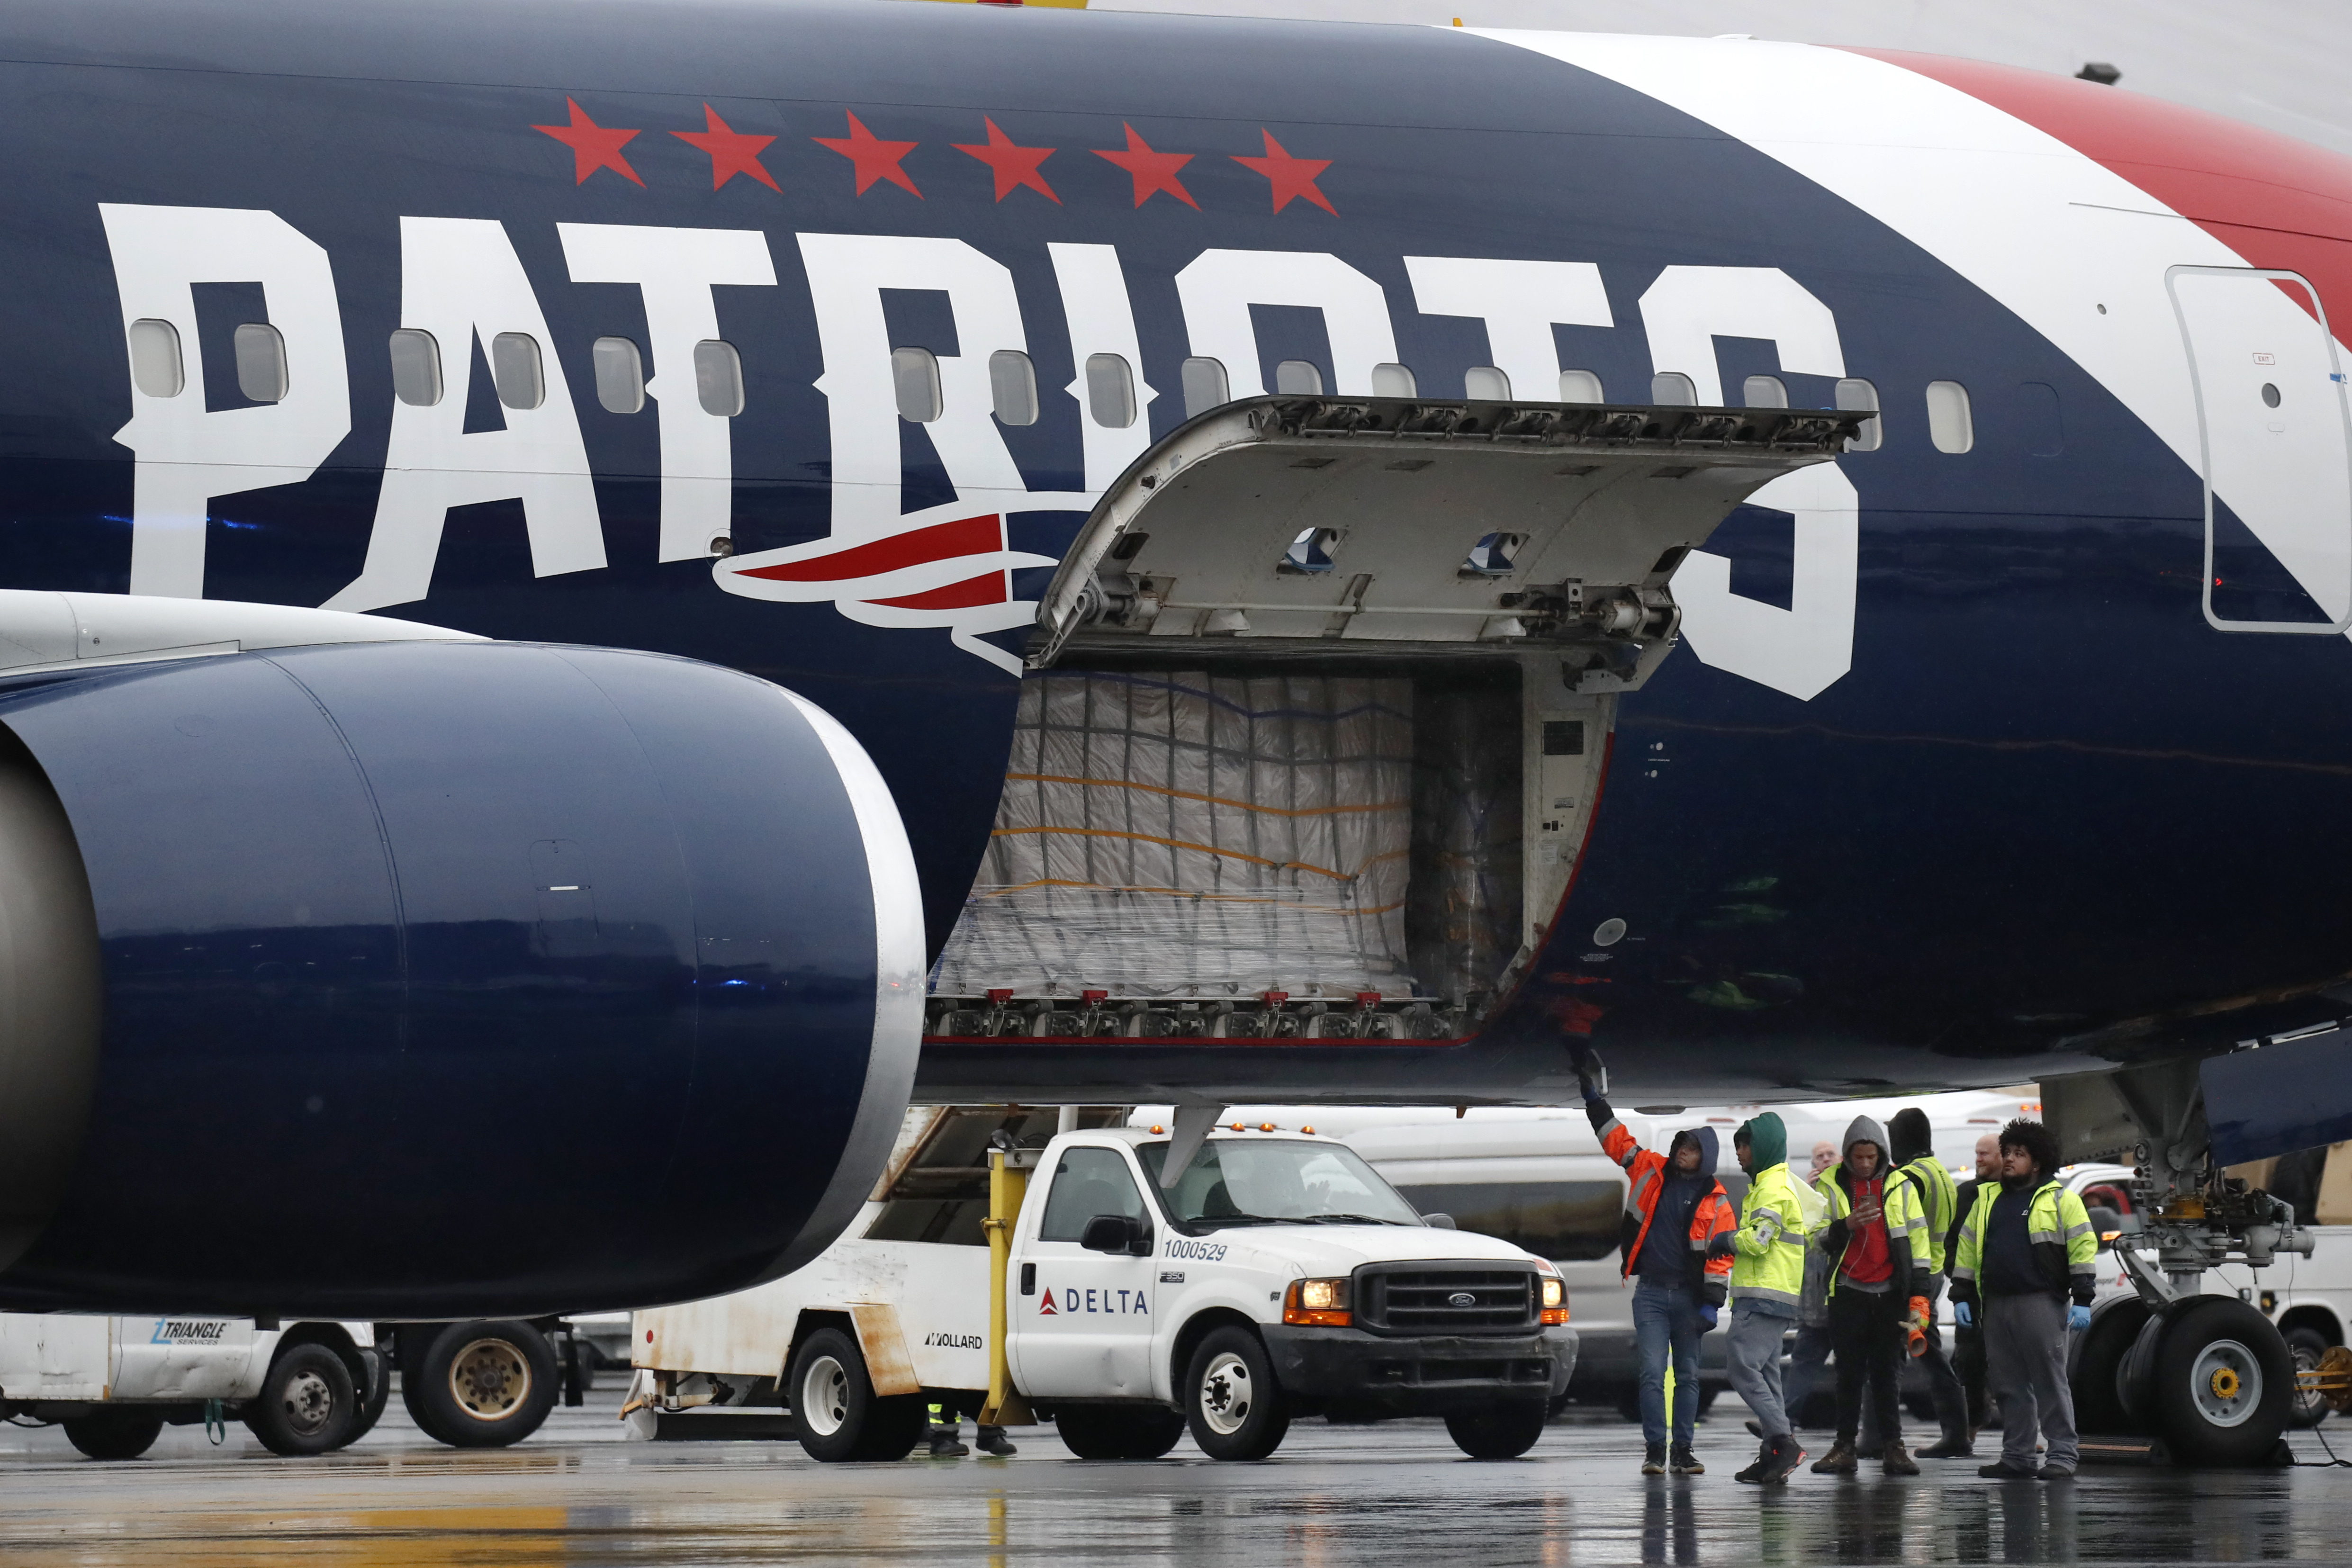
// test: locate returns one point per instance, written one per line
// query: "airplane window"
(1580, 386)
(1393, 381)
(718, 377)
(1299, 378)
(516, 372)
(620, 375)
(1110, 391)
(1012, 386)
(1204, 386)
(1949, 424)
(1764, 392)
(1485, 383)
(155, 358)
(261, 362)
(415, 367)
(1858, 394)
(915, 376)
(1674, 388)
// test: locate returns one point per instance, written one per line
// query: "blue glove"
(1964, 1314)
(2077, 1319)
(1706, 1315)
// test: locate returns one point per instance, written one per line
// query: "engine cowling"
(438, 979)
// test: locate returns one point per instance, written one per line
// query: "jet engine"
(435, 978)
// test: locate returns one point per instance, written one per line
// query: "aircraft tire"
(1233, 1403)
(1501, 1431)
(306, 1404)
(1117, 1431)
(481, 1384)
(842, 1419)
(2094, 1366)
(122, 1433)
(2223, 1382)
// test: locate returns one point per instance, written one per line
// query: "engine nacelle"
(438, 979)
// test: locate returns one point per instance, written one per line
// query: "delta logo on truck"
(1091, 1301)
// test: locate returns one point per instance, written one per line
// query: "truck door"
(1082, 1327)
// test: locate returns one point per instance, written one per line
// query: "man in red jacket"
(1674, 1208)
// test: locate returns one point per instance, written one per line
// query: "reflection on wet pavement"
(1388, 1495)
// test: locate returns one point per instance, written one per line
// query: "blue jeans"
(1663, 1321)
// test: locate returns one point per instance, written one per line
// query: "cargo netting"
(1188, 836)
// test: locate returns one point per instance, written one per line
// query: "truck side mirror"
(1118, 1233)
(1438, 1221)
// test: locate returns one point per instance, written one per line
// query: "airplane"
(1795, 572)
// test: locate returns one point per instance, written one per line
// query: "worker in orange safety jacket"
(1674, 1208)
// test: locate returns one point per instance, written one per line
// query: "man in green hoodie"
(1768, 1282)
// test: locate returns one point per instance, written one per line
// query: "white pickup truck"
(115, 1383)
(1277, 1276)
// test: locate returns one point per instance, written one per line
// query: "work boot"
(1654, 1459)
(1685, 1463)
(1896, 1460)
(993, 1440)
(1839, 1461)
(1953, 1446)
(1787, 1455)
(946, 1445)
(2005, 1471)
(1756, 1472)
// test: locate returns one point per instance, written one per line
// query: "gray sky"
(2286, 65)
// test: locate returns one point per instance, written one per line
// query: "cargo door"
(2275, 444)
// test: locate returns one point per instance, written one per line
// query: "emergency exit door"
(2274, 432)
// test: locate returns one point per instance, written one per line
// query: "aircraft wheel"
(481, 1384)
(2306, 1345)
(2223, 1382)
(1232, 1402)
(1117, 1431)
(122, 1433)
(306, 1404)
(1502, 1431)
(2095, 1365)
(841, 1417)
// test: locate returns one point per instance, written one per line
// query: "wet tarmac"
(1396, 1494)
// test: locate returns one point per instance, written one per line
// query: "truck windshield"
(1278, 1182)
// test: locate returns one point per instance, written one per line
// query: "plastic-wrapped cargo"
(1179, 835)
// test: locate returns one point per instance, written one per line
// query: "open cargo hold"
(1319, 706)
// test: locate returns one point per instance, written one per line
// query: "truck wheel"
(841, 1417)
(379, 1394)
(2223, 1382)
(1502, 1431)
(481, 1385)
(2306, 1345)
(1117, 1431)
(2096, 1363)
(306, 1404)
(1232, 1402)
(122, 1433)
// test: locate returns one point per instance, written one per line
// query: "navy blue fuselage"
(2049, 820)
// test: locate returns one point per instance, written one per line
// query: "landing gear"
(2214, 1379)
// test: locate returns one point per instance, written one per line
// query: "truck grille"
(1445, 1298)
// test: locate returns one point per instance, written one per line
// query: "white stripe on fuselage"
(2045, 230)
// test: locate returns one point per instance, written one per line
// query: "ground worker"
(2026, 1245)
(1811, 1351)
(945, 1433)
(1768, 1281)
(1674, 1208)
(1915, 1162)
(1875, 1228)
(1967, 1339)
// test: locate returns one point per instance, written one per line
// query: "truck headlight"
(1551, 1297)
(1318, 1303)
(1555, 1293)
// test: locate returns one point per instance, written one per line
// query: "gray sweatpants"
(2025, 1364)
(1756, 1363)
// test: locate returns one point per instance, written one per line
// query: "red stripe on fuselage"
(915, 547)
(2277, 201)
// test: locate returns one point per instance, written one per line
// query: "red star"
(731, 151)
(1290, 176)
(594, 146)
(1151, 171)
(875, 159)
(1014, 167)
